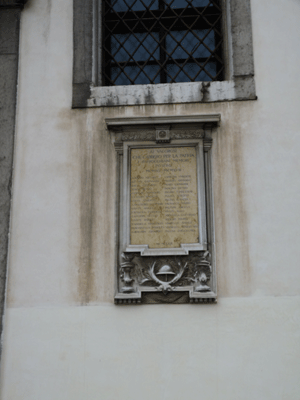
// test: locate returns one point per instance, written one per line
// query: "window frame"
(238, 83)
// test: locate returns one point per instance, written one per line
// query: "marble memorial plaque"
(163, 197)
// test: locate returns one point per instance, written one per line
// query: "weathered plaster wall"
(64, 339)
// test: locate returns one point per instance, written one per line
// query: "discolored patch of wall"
(85, 272)
(96, 263)
(97, 196)
(231, 214)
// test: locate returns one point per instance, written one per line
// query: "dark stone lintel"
(12, 3)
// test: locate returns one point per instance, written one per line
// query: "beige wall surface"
(63, 337)
(247, 349)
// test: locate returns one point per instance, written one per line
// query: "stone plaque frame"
(182, 274)
(144, 248)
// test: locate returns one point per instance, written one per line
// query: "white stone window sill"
(192, 92)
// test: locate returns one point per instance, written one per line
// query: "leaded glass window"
(161, 41)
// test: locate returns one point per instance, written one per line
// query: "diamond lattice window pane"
(138, 47)
(134, 5)
(192, 3)
(161, 41)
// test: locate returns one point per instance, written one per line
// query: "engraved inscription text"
(164, 211)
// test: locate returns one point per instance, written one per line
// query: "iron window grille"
(161, 41)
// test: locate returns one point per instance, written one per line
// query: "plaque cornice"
(214, 119)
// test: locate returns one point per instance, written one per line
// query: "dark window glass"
(161, 41)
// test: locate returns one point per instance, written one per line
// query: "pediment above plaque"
(165, 247)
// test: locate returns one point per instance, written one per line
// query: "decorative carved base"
(186, 277)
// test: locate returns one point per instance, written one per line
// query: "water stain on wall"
(46, 26)
(97, 200)
(85, 271)
(231, 227)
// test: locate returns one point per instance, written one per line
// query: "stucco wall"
(64, 338)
